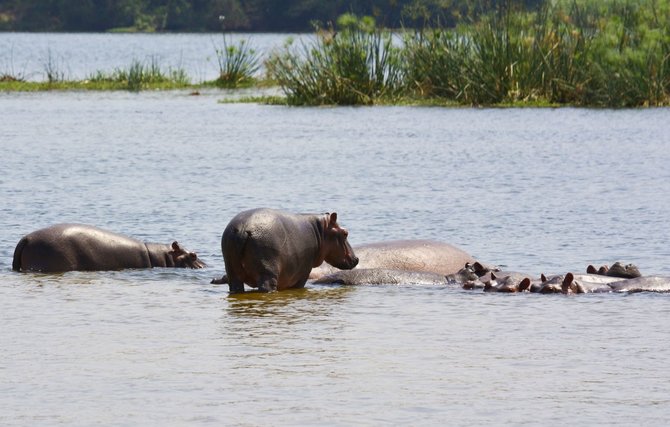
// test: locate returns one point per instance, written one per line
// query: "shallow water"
(535, 190)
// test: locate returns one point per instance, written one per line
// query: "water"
(76, 56)
(535, 190)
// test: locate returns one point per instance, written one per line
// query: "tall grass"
(140, 74)
(238, 64)
(605, 53)
(346, 68)
(52, 68)
(608, 54)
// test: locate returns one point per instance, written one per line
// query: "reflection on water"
(536, 190)
(297, 303)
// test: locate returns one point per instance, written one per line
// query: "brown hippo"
(382, 276)
(410, 255)
(68, 247)
(628, 271)
(272, 250)
(511, 282)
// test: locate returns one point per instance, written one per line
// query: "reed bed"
(238, 64)
(585, 53)
(140, 75)
(350, 67)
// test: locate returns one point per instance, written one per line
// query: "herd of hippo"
(272, 250)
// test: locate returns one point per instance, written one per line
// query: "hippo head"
(183, 258)
(628, 271)
(336, 248)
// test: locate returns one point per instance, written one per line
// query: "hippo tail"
(16, 263)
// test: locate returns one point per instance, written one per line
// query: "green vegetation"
(238, 15)
(345, 68)
(237, 64)
(139, 76)
(601, 53)
(585, 53)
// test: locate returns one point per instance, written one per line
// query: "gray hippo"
(471, 272)
(381, 276)
(642, 284)
(628, 271)
(409, 255)
(587, 283)
(272, 250)
(68, 247)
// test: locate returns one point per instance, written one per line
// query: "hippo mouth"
(190, 261)
(347, 264)
(197, 264)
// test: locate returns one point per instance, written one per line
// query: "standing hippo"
(272, 250)
(426, 256)
(68, 247)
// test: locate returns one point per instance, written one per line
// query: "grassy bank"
(592, 53)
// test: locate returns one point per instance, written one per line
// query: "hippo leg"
(235, 285)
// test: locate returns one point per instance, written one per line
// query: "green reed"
(607, 54)
(139, 75)
(238, 64)
(351, 67)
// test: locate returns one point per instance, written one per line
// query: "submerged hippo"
(382, 276)
(642, 284)
(587, 283)
(273, 250)
(68, 247)
(409, 255)
(628, 271)
(507, 282)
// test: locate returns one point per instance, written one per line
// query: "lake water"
(537, 190)
(77, 56)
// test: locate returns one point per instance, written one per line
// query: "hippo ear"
(333, 218)
(543, 278)
(568, 279)
(175, 246)
(525, 284)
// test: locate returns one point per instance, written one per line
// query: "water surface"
(536, 190)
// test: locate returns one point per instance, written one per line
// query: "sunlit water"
(535, 190)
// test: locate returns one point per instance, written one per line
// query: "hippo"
(470, 273)
(381, 276)
(628, 271)
(69, 247)
(512, 282)
(642, 284)
(587, 283)
(410, 255)
(273, 250)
